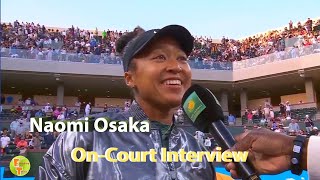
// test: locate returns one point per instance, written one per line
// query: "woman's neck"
(162, 114)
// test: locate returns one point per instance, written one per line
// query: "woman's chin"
(173, 101)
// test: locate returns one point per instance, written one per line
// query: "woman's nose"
(174, 66)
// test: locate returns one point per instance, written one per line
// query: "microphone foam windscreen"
(201, 106)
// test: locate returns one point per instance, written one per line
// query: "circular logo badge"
(191, 105)
(20, 166)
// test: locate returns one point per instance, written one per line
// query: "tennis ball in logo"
(20, 166)
(191, 105)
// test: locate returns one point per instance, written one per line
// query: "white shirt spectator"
(271, 114)
(294, 127)
(266, 111)
(87, 109)
(5, 140)
(47, 107)
(28, 101)
(61, 116)
(24, 108)
(14, 125)
(288, 108)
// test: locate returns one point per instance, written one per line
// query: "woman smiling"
(156, 69)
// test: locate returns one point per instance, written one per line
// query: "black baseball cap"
(180, 33)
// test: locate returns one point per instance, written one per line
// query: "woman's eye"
(160, 57)
(182, 58)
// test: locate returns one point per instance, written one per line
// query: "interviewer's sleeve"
(57, 162)
(314, 158)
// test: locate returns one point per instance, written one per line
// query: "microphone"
(203, 108)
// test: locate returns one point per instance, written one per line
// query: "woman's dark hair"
(123, 41)
(122, 44)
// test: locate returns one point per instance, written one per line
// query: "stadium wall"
(294, 98)
(241, 72)
(99, 102)
(15, 97)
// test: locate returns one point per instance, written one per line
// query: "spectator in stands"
(250, 116)
(314, 131)
(231, 119)
(39, 113)
(280, 129)
(88, 109)
(21, 128)
(28, 102)
(36, 141)
(46, 108)
(27, 135)
(4, 141)
(266, 111)
(127, 105)
(56, 113)
(61, 115)
(308, 123)
(65, 111)
(105, 107)
(73, 114)
(294, 126)
(22, 145)
(49, 138)
(5, 132)
(274, 126)
(49, 112)
(13, 110)
(288, 109)
(271, 113)
(118, 109)
(13, 127)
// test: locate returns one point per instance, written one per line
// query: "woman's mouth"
(173, 82)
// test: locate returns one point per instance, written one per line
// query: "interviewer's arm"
(270, 152)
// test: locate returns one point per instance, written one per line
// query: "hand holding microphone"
(270, 152)
(202, 107)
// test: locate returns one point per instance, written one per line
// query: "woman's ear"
(128, 77)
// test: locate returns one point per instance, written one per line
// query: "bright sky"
(215, 18)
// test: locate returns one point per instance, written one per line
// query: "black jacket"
(57, 162)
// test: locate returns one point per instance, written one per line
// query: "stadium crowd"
(30, 40)
(17, 138)
(264, 116)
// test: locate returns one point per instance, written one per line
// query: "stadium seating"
(78, 45)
